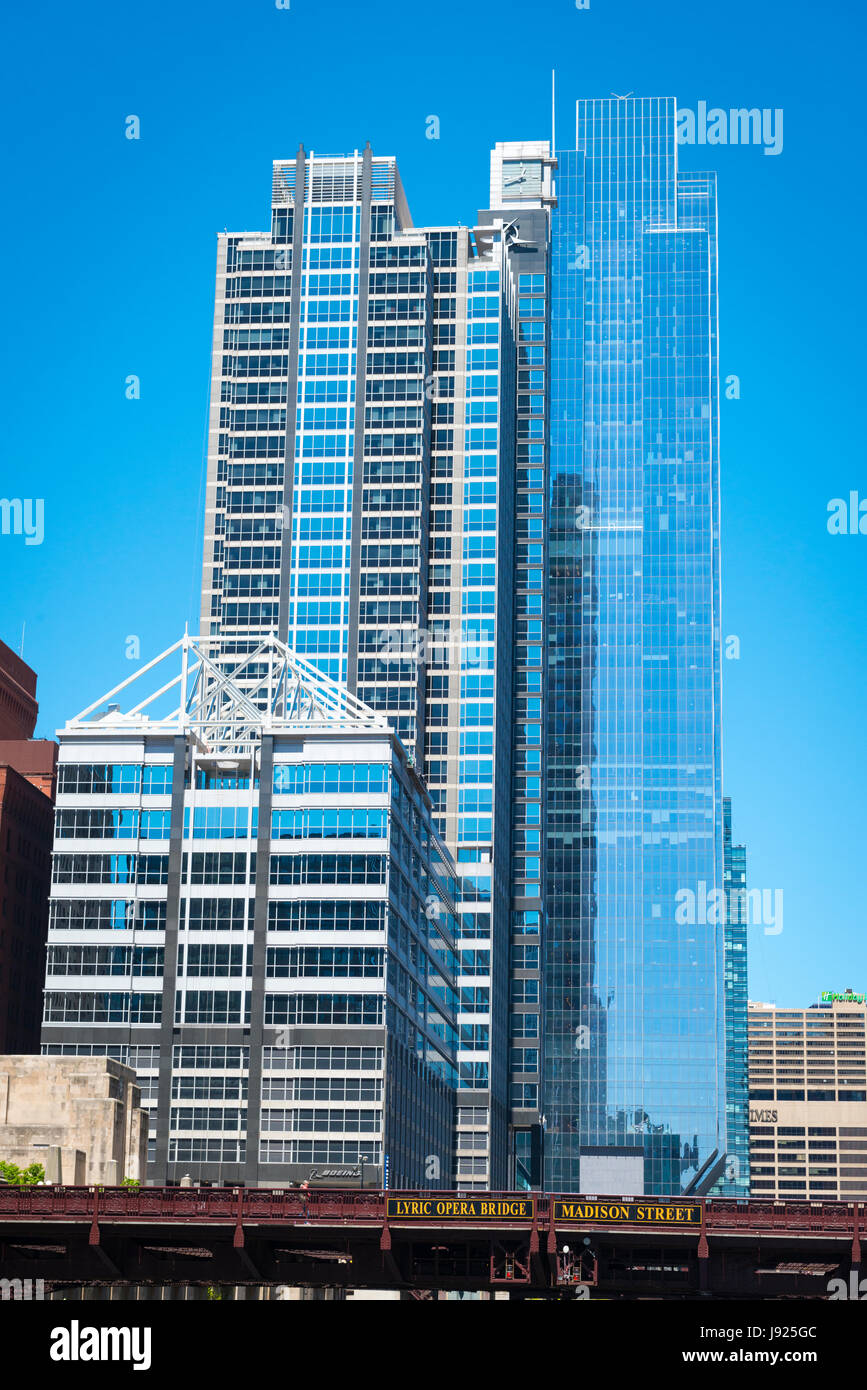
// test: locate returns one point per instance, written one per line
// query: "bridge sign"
(460, 1208)
(628, 1213)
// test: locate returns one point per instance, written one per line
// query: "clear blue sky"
(110, 248)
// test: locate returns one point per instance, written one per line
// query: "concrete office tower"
(319, 448)
(467, 658)
(484, 724)
(808, 1099)
(521, 196)
(368, 501)
(251, 908)
(634, 1093)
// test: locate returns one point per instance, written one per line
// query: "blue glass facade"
(634, 1071)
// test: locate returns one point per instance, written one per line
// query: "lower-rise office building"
(251, 908)
(808, 1099)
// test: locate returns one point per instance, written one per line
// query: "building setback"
(251, 908)
(808, 1099)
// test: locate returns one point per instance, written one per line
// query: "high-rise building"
(522, 192)
(470, 474)
(27, 777)
(251, 908)
(373, 499)
(634, 1093)
(735, 1181)
(808, 1099)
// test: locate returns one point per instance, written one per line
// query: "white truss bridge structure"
(226, 702)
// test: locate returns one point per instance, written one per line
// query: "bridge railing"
(46, 1201)
(337, 1207)
(764, 1215)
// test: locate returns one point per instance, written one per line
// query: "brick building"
(18, 707)
(27, 784)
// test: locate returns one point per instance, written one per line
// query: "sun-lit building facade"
(634, 1094)
(250, 906)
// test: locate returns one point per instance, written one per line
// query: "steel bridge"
(535, 1244)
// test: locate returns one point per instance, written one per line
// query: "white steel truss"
(227, 702)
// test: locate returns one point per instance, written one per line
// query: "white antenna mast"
(553, 114)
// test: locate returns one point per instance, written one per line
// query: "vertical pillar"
(358, 441)
(257, 980)
(292, 393)
(170, 957)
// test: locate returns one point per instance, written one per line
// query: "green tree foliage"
(22, 1177)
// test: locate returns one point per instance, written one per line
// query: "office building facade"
(470, 474)
(634, 1094)
(251, 908)
(375, 499)
(522, 194)
(808, 1099)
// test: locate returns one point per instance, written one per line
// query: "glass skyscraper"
(634, 1091)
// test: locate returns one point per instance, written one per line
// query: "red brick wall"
(35, 759)
(18, 707)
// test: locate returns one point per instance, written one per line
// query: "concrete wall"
(87, 1108)
(63, 1165)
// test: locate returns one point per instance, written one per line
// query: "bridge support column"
(93, 1238)
(388, 1260)
(703, 1255)
(856, 1247)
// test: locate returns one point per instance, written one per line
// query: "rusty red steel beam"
(291, 1206)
